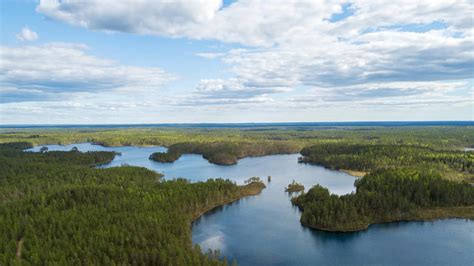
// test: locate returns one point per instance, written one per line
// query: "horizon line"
(469, 122)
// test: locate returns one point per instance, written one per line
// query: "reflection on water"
(265, 229)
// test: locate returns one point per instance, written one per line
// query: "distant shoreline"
(251, 125)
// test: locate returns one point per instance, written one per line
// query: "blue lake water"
(265, 229)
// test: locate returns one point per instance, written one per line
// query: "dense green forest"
(404, 183)
(384, 196)
(56, 208)
(225, 153)
(455, 165)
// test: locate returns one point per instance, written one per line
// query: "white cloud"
(376, 57)
(295, 43)
(340, 55)
(253, 22)
(210, 55)
(169, 18)
(26, 34)
(59, 68)
(385, 53)
(230, 91)
(250, 22)
(389, 93)
(456, 13)
(233, 88)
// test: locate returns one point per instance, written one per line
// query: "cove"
(265, 229)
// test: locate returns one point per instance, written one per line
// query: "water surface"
(265, 229)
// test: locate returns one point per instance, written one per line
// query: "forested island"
(56, 208)
(294, 187)
(404, 183)
(225, 153)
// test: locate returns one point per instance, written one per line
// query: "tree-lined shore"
(403, 183)
(56, 208)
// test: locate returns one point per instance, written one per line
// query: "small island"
(294, 187)
(165, 157)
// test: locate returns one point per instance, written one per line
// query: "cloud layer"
(42, 72)
(167, 18)
(293, 54)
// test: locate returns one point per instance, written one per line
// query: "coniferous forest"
(56, 208)
(403, 183)
(365, 157)
(225, 152)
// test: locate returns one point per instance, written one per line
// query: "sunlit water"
(265, 229)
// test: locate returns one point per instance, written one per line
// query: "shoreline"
(354, 172)
(252, 189)
(464, 212)
(158, 146)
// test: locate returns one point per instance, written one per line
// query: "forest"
(437, 137)
(56, 208)
(385, 196)
(403, 183)
(455, 165)
(225, 153)
(228, 145)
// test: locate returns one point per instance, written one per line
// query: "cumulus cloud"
(253, 22)
(250, 22)
(26, 34)
(54, 69)
(230, 91)
(382, 56)
(169, 18)
(390, 94)
(209, 55)
(365, 52)
(233, 88)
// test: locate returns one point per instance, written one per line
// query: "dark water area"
(265, 229)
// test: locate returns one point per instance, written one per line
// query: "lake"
(265, 229)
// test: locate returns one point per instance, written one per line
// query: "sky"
(150, 61)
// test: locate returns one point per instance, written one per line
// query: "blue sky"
(235, 61)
